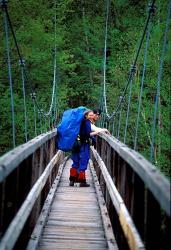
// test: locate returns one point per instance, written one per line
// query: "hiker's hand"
(106, 131)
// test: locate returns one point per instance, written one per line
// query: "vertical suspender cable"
(158, 83)
(113, 126)
(33, 97)
(128, 108)
(119, 122)
(134, 64)
(9, 72)
(54, 73)
(35, 124)
(40, 115)
(104, 57)
(142, 86)
(21, 62)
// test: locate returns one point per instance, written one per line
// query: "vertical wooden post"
(128, 189)
(138, 204)
(102, 181)
(36, 172)
(2, 207)
(115, 167)
(152, 223)
(108, 165)
(10, 198)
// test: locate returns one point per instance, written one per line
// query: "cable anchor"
(152, 9)
(22, 62)
(33, 95)
(133, 69)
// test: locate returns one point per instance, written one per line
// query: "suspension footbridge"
(128, 203)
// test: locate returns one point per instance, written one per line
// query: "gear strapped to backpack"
(69, 128)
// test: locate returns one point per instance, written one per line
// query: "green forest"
(74, 31)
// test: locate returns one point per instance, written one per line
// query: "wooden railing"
(137, 196)
(26, 176)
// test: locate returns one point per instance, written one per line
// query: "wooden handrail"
(157, 183)
(13, 158)
(129, 229)
(140, 186)
(21, 170)
(17, 224)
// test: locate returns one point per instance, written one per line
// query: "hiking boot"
(84, 184)
(71, 183)
(82, 179)
(73, 176)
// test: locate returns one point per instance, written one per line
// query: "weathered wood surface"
(12, 159)
(75, 219)
(144, 191)
(12, 233)
(129, 229)
(150, 175)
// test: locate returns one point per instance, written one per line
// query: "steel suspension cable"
(142, 85)
(19, 54)
(3, 4)
(33, 96)
(104, 58)
(113, 126)
(25, 72)
(119, 122)
(24, 98)
(151, 10)
(160, 72)
(54, 73)
(128, 109)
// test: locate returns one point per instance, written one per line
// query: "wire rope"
(142, 85)
(104, 58)
(24, 98)
(160, 72)
(4, 5)
(151, 10)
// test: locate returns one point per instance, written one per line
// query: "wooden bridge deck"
(75, 219)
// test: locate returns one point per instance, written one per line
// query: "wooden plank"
(72, 245)
(34, 239)
(151, 176)
(11, 160)
(17, 224)
(129, 229)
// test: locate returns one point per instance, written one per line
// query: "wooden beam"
(157, 183)
(129, 229)
(13, 158)
(13, 231)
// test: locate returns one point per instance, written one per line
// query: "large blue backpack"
(69, 128)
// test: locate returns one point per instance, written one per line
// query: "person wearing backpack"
(82, 155)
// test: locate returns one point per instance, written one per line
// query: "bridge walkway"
(76, 219)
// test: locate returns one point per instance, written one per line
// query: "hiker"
(81, 156)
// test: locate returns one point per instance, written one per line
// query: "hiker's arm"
(97, 129)
(94, 133)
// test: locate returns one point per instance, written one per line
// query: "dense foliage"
(80, 45)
